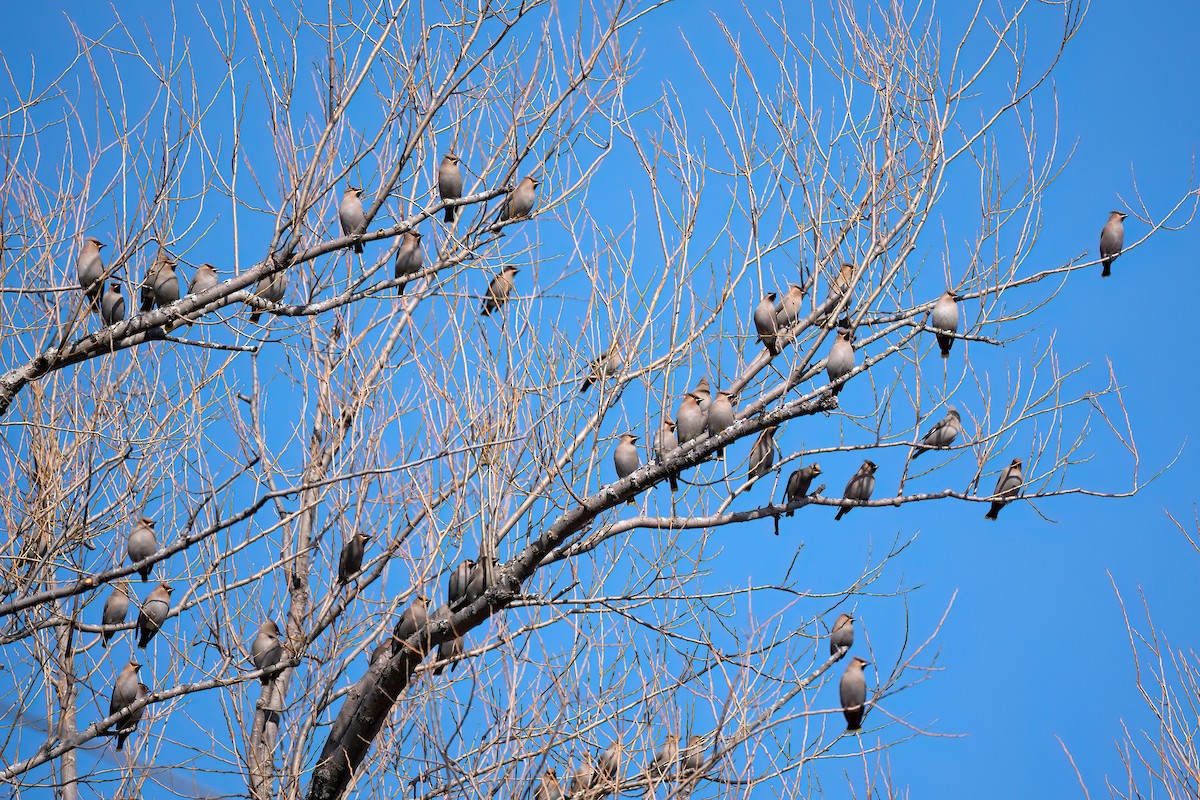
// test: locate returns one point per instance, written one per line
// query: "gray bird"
(625, 458)
(142, 544)
(460, 581)
(764, 322)
(125, 688)
(154, 613)
(944, 317)
(166, 284)
(89, 269)
(350, 561)
(412, 620)
(720, 416)
(1008, 488)
(520, 202)
(689, 420)
(584, 778)
(266, 649)
(664, 443)
(272, 289)
(112, 305)
(853, 692)
(841, 359)
(498, 290)
(603, 366)
(691, 763)
(146, 293)
(787, 312)
(203, 279)
(842, 634)
(762, 454)
(665, 759)
(116, 608)
(940, 435)
(703, 395)
(548, 787)
(451, 652)
(608, 765)
(859, 488)
(841, 283)
(351, 216)
(1112, 239)
(409, 258)
(798, 484)
(481, 578)
(450, 183)
(131, 722)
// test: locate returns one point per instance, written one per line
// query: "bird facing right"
(519, 204)
(944, 319)
(762, 454)
(842, 634)
(154, 613)
(89, 269)
(450, 183)
(853, 692)
(1112, 240)
(765, 323)
(142, 544)
(498, 290)
(860, 487)
(626, 459)
(721, 415)
(266, 649)
(112, 305)
(940, 435)
(1008, 488)
(351, 215)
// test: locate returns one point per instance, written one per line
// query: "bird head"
(166, 587)
(1016, 462)
(770, 296)
(270, 627)
(147, 521)
(116, 287)
(870, 466)
(94, 241)
(453, 159)
(511, 270)
(861, 662)
(1118, 214)
(953, 295)
(133, 662)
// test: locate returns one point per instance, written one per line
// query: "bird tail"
(94, 295)
(358, 248)
(104, 637)
(838, 389)
(145, 640)
(121, 737)
(674, 484)
(916, 453)
(721, 453)
(993, 511)
(841, 513)
(587, 382)
(631, 502)
(449, 215)
(486, 310)
(1107, 271)
(256, 316)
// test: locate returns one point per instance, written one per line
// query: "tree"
(377, 401)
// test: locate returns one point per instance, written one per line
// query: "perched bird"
(608, 765)
(584, 778)
(944, 317)
(762, 454)
(841, 359)
(764, 322)
(481, 578)
(89, 269)
(351, 216)
(859, 488)
(498, 290)
(112, 305)
(665, 759)
(720, 416)
(451, 652)
(842, 634)
(460, 581)
(146, 294)
(272, 289)
(799, 483)
(350, 561)
(125, 688)
(142, 544)
(409, 259)
(548, 787)
(625, 458)
(166, 284)
(412, 620)
(203, 279)
(602, 366)
(691, 761)
(787, 312)
(450, 183)
(942, 434)
(703, 395)
(520, 202)
(853, 691)
(1112, 239)
(116, 608)
(689, 420)
(154, 613)
(1008, 488)
(664, 443)
(266, 649)
(131, 722)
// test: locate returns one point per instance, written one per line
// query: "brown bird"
(626, 460)
(663, 766)
(350, 561)
(450, 651)
(450, 183)
(481, 578)
(940, 435)
(603, 366)
(409, 259)
(498, 290)
(266, 649)
(841, 359)
(584, 778)
(762, 454)
(859, 488)
(351, 215)
(689, 419)
(272, 288)
(116, 607)
(664, 443)
(765, 324)
(548, 787)
(842, 634)
(944, 317)
(840, 285)
(787, 312)
(1008, 488)
(412, 620)
(112, 305)
(460, 582)
(608, 766)
(703, 395)
(142, 544)
(124, 690)
(203, 279)
(520, 202)
(166, 284)
(154, 613)
(721, 414)
(1112, 240)
(693, 758)
(798, 485)
(147, 293)
(131, 722)
(89, 269)
(853, 691)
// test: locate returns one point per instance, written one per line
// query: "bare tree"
(371, 398)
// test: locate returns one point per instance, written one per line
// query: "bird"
(548, 787)
(154, 613)
(842, 634)
(520, 202)
(1112, 239)
(787, 312)
(142, 544)
(409, 259)
(691, 762)
(665, 442)
(940, 435)
(764, 322)
(116, 608)
(350, 561)
(112, 305)
(131, 722)
(608, 764)
(271, 288)
(703, 395)
(604, 365)
(841, 359)
(798, 484)
(762, 454)
(689, 419)
(125, 687)
(89, 269)
(1008, 488)
(351, 216)
(584, 778)
(481, 578)
(146, 294)
(665, 759)
(860, 487)
(625, 459)
(721, 416)
(166, 284)
(412, 620)
(266, 649)
(460, 582)
(853, 692)
(450, 651)
(498, 290)
(203, 279)
(944, 317)
(450, 183)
